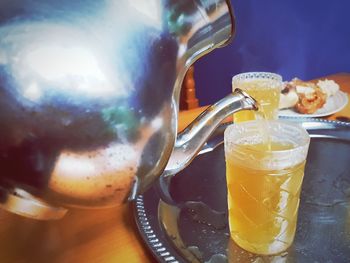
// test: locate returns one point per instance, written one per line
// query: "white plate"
(334, 104)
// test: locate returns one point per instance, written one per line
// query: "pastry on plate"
(305, 97)
(288, 96)
(330, 87)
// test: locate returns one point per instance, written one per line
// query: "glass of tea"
(265, 87)
(265, 163)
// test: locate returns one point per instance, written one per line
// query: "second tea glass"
(265, 87)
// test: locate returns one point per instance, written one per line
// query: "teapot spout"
(190, 141)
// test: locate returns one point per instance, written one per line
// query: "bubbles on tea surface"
(252, 140)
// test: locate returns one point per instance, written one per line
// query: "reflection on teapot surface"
(89, 97)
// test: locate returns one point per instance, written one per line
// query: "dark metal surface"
(184, 219)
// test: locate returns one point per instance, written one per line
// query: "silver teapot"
(89, 95)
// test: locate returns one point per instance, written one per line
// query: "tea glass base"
(269, 249)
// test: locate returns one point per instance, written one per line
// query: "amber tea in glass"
(264, 179)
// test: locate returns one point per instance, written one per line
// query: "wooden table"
(101, 236)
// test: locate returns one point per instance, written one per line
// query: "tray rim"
(152, 239)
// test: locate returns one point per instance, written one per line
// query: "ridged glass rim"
(301, 144)
(257, 75)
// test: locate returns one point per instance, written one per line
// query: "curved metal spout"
(191, 140)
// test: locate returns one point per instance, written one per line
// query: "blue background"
(295, 38)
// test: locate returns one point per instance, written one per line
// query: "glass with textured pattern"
(264, 182)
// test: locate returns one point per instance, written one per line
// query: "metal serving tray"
(184, 219)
